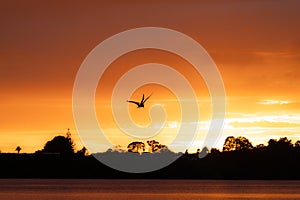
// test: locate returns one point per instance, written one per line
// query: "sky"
(255, 45)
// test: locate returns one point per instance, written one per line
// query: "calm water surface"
(29, 189)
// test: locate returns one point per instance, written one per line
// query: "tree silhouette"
(18, 149)
(60, 144)
(282, 145)
(229, 144)
(214, 151)
(243, 143)
(235, 144)
(136, 147)
(155, 146)
(82, 152)
(272, 142)
(186, 152)
(284, 142)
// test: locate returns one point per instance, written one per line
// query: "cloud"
(274, 102)
(269, 118)
(266, 124)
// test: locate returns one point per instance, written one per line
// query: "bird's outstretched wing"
(146, 98)
(137, 103)
(143, 98)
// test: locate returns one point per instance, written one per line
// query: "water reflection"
(23, 189)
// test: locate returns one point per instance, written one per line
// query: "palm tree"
(18, 149)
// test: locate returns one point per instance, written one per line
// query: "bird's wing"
(147, 98)
(137, 103)
(143, 98)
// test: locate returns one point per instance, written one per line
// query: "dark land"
(238, 160)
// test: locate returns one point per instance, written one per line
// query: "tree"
(283, 144)
(155, 146)
(82, 152)
(186, 152)
(243, 143)
(229, 144)
(235, 144)
(297, 144)
(136, 147)
(60, 144)
(214, 151)
(18, 149)
(272, 142)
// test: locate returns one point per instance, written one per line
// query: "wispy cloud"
(274, 102)
(265, 124)
(269, 118)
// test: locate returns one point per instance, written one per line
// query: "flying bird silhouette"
(140, 104)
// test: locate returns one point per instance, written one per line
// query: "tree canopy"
(136, 147)
(18, 149)
(281, 145)
(155, 146)
(240, 143)
(59, 144)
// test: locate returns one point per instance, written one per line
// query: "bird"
(140, 104)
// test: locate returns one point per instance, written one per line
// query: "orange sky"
(255, 44)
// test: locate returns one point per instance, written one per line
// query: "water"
(74, 189)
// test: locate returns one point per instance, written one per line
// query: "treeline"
(239, 159)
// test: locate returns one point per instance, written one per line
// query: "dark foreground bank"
(261, 163)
